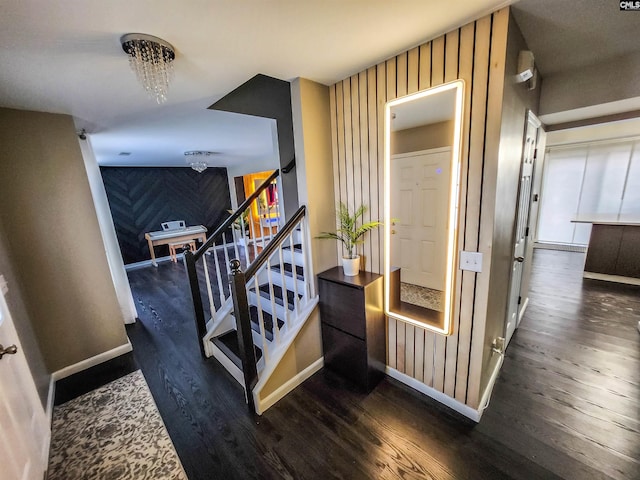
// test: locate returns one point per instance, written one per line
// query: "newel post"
(196, 297)
(243, 326)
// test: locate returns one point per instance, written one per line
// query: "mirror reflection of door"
(420, 184)
(422, 168)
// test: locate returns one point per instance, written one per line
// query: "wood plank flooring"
(566, 405)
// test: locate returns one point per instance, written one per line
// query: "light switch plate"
(471, 261)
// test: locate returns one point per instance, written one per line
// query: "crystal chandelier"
(151, 59)
(196, 159)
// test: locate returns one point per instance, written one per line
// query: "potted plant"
(350, 234)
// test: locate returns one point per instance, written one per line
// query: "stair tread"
(277, 292)
(297, 247)
(288, 268)
(268, 322)
(228, 344)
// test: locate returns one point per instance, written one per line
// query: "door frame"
(530, 118)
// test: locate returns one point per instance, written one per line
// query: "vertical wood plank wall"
(448, 364)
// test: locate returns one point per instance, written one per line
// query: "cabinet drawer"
(345, 354)
(342, 307)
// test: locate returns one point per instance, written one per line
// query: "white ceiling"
(565, 35)
(568, 35)
(65, 57)
(424, 110)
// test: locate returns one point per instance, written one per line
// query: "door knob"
(10, 350)
(519, 259)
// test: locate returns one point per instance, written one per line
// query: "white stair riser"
(296, 258)
(267, 306)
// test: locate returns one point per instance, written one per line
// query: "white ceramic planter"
(351, 266)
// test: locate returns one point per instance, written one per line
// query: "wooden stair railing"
(230, 235)
(268, 265)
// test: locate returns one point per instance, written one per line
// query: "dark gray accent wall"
(141, 198)
(269, 97)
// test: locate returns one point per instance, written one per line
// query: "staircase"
(252, 293)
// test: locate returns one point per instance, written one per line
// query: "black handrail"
(234, 216)
(274, 243)
(289, 166)
(190, 259)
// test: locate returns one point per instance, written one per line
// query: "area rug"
(421, 296)
(112, 433)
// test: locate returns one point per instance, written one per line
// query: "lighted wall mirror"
(422, 175)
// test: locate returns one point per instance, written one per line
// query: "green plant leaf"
(349, 233)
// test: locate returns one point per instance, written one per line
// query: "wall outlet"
(498, 345)
(471, 261)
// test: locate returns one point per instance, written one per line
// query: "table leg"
(153, 254)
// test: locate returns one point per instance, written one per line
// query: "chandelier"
(196, 159)
(151, 59)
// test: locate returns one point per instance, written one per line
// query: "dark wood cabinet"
(353, 327)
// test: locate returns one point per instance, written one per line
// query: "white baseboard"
(486, 396)
(91, 362)
(522, 309)
(284, 389)
(437, 395)
(612, 278)
(564, 247)
(50, 398)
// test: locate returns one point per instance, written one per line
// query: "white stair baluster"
(218, 275)
(212, 307)
(294, 273)
(254, 234)
(285, 291)
(245, 242)
(265, 348)
(274, 316)
(307, 270)
(226, 255)
(235, 243)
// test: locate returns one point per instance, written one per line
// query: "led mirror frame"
(454, 194)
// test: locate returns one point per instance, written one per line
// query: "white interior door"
(522, 224)
(420, 193)
(24, 430)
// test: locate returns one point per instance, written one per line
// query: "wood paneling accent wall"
(141, 198)
(474, 53)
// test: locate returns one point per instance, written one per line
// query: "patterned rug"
(112, 433)
(421, 296)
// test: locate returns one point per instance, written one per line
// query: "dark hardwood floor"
(566, 405)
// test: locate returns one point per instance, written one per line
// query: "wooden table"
(165, 237)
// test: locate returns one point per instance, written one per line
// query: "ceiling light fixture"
(151, 59)
(196, 159)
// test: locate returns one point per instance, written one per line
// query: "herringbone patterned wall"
(141, 198)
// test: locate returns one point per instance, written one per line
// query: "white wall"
(606, 82)
(261, 165)
(107, 229)
(592, 133)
